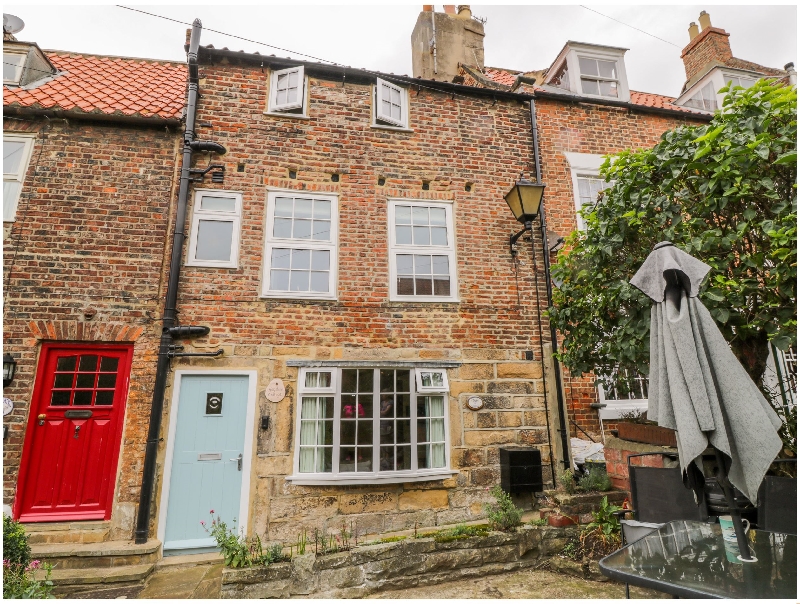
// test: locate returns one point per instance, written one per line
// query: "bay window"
(358, 425)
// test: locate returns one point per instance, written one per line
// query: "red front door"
(69, 459)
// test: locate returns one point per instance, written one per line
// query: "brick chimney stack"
(706, 44)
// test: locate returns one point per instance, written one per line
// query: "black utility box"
(521, 470)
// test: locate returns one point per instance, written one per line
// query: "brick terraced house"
(356, 341)
(89, 155)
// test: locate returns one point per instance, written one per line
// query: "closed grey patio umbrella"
(697, 385)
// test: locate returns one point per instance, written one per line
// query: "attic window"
(12, 67)
(287, 91)
(739, 81)
(599, 77)
(391, 105)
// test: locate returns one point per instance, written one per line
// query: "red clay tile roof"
(501, 76)
(107, 85)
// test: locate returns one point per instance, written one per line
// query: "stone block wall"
(83, 262)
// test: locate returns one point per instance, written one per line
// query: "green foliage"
(503, 514)
(461, 531)
(233, 546)
(594, 480)
(392, 539)
(538, 522)
(15, 542)
(725, 192)
(21, 575)
(605, 519)
(567, 481)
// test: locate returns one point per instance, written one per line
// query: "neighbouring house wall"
(84, 262)
(596, 129)
(455, 141)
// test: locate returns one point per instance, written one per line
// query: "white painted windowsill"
(316, 479)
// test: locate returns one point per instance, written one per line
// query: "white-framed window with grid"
(364, 424)
(599, 77)
(300, 252)
(422, 258)
(705, 99)
(13, 64)
(216, 225)
(589, 188)
(586, 181)
(287, 91)
(17, 150)
(390, 107)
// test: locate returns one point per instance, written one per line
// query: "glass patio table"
(690, 559)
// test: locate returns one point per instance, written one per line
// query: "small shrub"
(567, 481)
(538, 522)
(602, 535)
(19, 571)
(594, 480)
(461, 531)
(503, 514)
(572, 549)
(15, 542)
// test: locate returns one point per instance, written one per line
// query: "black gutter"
(165, 347)
(562, 424)
(153, 122)
(351, 74)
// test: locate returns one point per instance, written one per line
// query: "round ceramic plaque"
(276, 391)
(8, 406)
(475, 403)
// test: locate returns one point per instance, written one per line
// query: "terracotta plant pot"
(647, 433)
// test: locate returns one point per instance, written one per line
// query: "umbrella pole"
(736, 517)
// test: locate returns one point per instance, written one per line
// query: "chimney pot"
(450, 9)
(427, 8)
(464, 11)
(705, 20)
(694, 31)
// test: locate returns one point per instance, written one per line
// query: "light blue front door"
(206, 463)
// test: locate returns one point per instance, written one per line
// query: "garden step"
(101, 582)
(67, 532)
(108, 554)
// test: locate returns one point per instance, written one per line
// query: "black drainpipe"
(170, 331)
(562, 424)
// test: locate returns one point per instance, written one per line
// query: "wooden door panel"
(66, 474)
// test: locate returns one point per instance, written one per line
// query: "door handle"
(238, 460)
(77, 429)
(41, 418)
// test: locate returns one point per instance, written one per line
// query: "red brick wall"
(90, 233)
(586, 128)
(710, 45)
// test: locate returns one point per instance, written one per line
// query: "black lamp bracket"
(512, 242)
(202, 173)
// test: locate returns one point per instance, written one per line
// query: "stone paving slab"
(526, 583)
(203, 581)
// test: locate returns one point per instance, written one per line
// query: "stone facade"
(83, 262)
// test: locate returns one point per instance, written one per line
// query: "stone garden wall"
(409, 563)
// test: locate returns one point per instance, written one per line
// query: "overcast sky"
(377, 37)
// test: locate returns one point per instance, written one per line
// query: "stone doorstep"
(66, 556)
(189, 560)
(67, 532)
(92, 576)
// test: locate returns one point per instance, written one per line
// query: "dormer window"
(738, 81)
(287, 92)
(590, 70)
(12, 67)
(599, 77)
(706, 98)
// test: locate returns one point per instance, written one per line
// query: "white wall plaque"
(276, 391)
(475, 403)
(8, 406)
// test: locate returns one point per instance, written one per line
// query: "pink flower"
(211, 511)
(34, 565)
(6, 563)
(203, 522)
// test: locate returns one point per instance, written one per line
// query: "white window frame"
(376, 476)
(582, 165)
(233, 217)
(718, 79)
(288, 109)
(425, 389)
(270, 242)
(571, 54)
(382, 121)
(10, 204)
(18, 69)
(449, 250)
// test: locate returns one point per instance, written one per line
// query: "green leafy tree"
(725, 192)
